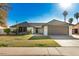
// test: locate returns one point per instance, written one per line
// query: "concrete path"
(66, 40)
(39, 51)
(76, 36)
(62, 37)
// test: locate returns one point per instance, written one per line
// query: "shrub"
(7, 30)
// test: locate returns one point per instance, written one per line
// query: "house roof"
(52, 22)
(36, 24)
(76, 24)
(28, 24)
(57, 22)
(21, 24)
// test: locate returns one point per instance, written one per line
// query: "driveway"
(65, 40)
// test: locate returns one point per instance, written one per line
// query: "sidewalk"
(39, 51)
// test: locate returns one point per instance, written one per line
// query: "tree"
(70, 20)
(1, 22)
(5, 7)
(76, 15)
(7, 30)
(65, 13)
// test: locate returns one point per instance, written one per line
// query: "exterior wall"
(58, 30)
(30, 29)
(34, 30)
(12, 29)
(40, 30)
(45, 30)
(70, 30)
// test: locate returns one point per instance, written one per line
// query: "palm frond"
(65, 13)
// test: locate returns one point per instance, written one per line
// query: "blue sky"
(38, 12)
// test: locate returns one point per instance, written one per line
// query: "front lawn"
(39, 37)
(27, 41)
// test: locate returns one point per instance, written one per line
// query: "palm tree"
(70, 20)
(65, 13)
(76, 15)
(16, 27)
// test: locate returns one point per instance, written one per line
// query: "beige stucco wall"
(40, 30)
(70, 30)
(45, 31)
(30, 29)
(33, 30)
(12, 29)
(58, 30)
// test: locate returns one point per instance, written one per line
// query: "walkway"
(39, 51)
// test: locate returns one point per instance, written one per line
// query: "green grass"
(27, 41)
(39, 38)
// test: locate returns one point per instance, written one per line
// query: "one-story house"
(53, 27)
(75, 29)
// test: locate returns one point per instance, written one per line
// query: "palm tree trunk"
(77, 20)
(65, 19)
(16, 27)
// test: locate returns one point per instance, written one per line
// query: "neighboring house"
(75, 29)
(53, 27)
(1, 30)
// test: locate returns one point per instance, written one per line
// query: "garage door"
(57, 30)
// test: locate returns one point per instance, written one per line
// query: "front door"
(36, 30)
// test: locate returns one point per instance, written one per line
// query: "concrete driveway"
(65, 40)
